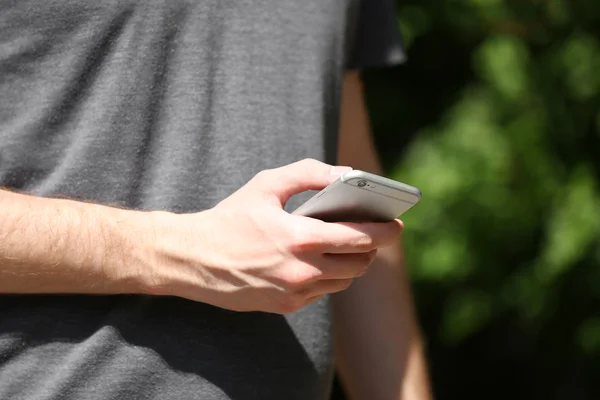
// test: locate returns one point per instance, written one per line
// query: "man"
(147, 149)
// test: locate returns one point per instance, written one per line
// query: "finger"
(348, 237)
(308, 174)
(313, 299)
(345, 266)
(322, 288)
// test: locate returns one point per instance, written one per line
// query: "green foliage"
(496, 118)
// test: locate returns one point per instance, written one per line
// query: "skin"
(378, 344)
(263, 260)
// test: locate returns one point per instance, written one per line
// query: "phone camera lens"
(361, 183)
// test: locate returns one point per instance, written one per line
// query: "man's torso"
(172, 105)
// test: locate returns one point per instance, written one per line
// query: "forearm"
(65, 246)
(378, 344)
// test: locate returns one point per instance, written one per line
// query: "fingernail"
(339, 170)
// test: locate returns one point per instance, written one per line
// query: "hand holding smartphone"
(359, 196)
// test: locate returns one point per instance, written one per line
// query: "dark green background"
(496, 118)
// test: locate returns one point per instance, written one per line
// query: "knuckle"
(300, 276)
(263, 176)
(309, 165)
(364, 242)
(309, 162)
(304, 240)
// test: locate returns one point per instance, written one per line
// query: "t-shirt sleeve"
(375, 39)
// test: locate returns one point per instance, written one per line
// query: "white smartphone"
(359, 196)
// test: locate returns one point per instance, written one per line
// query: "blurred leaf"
(581, 60)
(558, 11)
(496, 118)
(414, 22)
(524, 292)
(466, 312)
(573, 227)
(503, 61)
(588, 336)
(447, 258)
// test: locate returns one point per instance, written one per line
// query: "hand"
(248, 254)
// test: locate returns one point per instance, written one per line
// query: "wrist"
(174, 261)
(128, 259)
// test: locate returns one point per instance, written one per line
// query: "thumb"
(308, 174)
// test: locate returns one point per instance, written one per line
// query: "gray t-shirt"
(173, 105)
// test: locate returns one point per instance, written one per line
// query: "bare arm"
(378, 345)
(264, 260)
(64, 246)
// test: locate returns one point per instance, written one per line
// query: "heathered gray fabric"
(169, 104)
